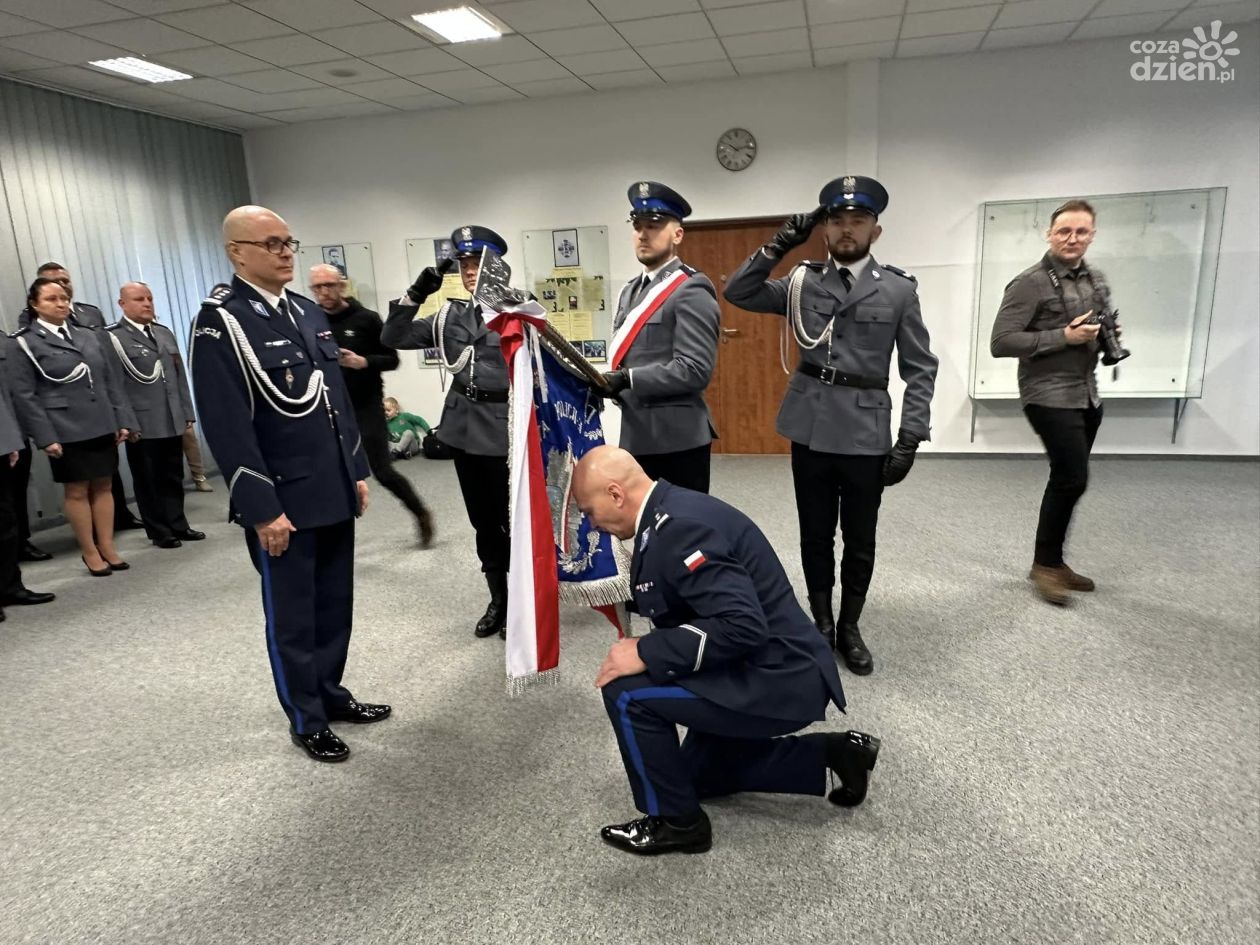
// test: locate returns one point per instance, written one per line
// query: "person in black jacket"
(363, 358)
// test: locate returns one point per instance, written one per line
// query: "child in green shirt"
(406, 430)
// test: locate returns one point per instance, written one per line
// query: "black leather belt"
(830, 376)
(480, 395)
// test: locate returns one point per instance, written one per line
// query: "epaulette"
(689, 270)
(113, 327)
(816, 266)
(218, 297)
(21, 331)
(660, 519)
(900, 272)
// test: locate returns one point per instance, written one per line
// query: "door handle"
(730, 332)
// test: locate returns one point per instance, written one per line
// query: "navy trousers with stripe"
(725, 752)
(308, 601)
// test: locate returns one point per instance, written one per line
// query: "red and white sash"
(637, 317)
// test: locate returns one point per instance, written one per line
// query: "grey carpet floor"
(1087, 774)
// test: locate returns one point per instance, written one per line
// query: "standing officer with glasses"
(278, 419)
(846, 314)
(474, 420)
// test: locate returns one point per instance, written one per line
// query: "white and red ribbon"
(638, 316)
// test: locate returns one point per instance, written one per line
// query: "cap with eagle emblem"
(652, 201)
(471, 240)
(854, 193)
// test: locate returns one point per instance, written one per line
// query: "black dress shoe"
(190, 534)
(851, 756)
(649, 836)
(168, 543)
(359, 712)
(323, 745)
(25, 596)
(31, 553)
(128, 524)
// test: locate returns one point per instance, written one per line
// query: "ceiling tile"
(272, 80)
(242, 122)
(457, 80)
(1035, 12)
(1127, 7)
(758, 18)
(326, 72)
(416, 62)
(1120, 26)
(677, 28)
(946, 22)
(821, 12)
(386, 90)
(696, 71)
(761, 44)
(1042, 35)
(551, 87)
(479, 96)
(861, 31)
(16, 25)
(217, 93)
(324, 112)
(65, 13)
(203, 110)
(1227, 13)
(677, 54)
(61, 46)
(938, 45)
(421, 102)
(305, 14)
(854, 53)
(150, 96)
(292, 50)
(615, 10)
(779, 62)
(624, 80)
(370, 38)
(154, 7)
(226, 24)
(583, 39)
(213, 61)
(14, 60)
(76, 77)
(616, 60)
(143, 37)
(535, 71)
(528, 16)
(722, 4)
(307, 98)
(496, 52)
(921, 6)
(403, 9)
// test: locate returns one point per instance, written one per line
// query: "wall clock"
(736, 149)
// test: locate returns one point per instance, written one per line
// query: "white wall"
(943, 134)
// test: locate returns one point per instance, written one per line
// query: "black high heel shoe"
(105, 572)
(120, 566)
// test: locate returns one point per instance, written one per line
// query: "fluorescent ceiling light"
(460, 25)
(135, 68)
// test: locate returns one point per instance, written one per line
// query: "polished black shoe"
(650, 836)
(191, 534)
(849, 643)
(851, 756)
(168, 542)
(128, 524)
(118, 566)
(322, 746)
(25, 597)
(359, 712)
(30, 553)
(103, 572)
(494, 619)
(824, 620)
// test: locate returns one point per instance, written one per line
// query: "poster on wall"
(564, 247)
(335, 256)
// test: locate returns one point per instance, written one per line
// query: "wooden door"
(749, 382)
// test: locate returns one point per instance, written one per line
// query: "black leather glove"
(794, 231)
(429, 281)
(900, 458)
(617, 381)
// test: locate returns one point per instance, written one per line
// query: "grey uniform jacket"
(163, 408)
(671, 363)
(881, 310)
(53, 412)
(477, 427)
(82, 315)
(11, 436)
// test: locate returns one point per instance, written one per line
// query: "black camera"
(1112, 351)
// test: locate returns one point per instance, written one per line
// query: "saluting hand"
(274, 535)
(622, 660)
(794, 231)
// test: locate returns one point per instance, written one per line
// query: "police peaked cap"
(471, 240)
(651, 200)
(854, 193)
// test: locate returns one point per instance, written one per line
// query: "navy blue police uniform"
(731, 656)
(276, 416)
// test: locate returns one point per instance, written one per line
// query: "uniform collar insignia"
(643, 538)
(259, 308)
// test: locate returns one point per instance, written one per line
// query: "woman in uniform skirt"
(71, 403)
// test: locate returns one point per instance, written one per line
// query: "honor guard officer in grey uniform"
(474, 419)
(731, 656)
(664, 346)
(846, 314)
(277, 417)
(156, 386)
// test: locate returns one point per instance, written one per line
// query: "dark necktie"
(148, 333)
(847, 278)
(65, 333)
(641, 288)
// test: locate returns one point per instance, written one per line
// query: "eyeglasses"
(1064, 232)
(274, 245)
(325, 286)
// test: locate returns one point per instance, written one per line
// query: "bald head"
(136, 301)
(259, 244)
(609, 487)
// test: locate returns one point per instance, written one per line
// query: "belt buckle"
(827, 374)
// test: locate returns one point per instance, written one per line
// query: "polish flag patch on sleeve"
(694, 560)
